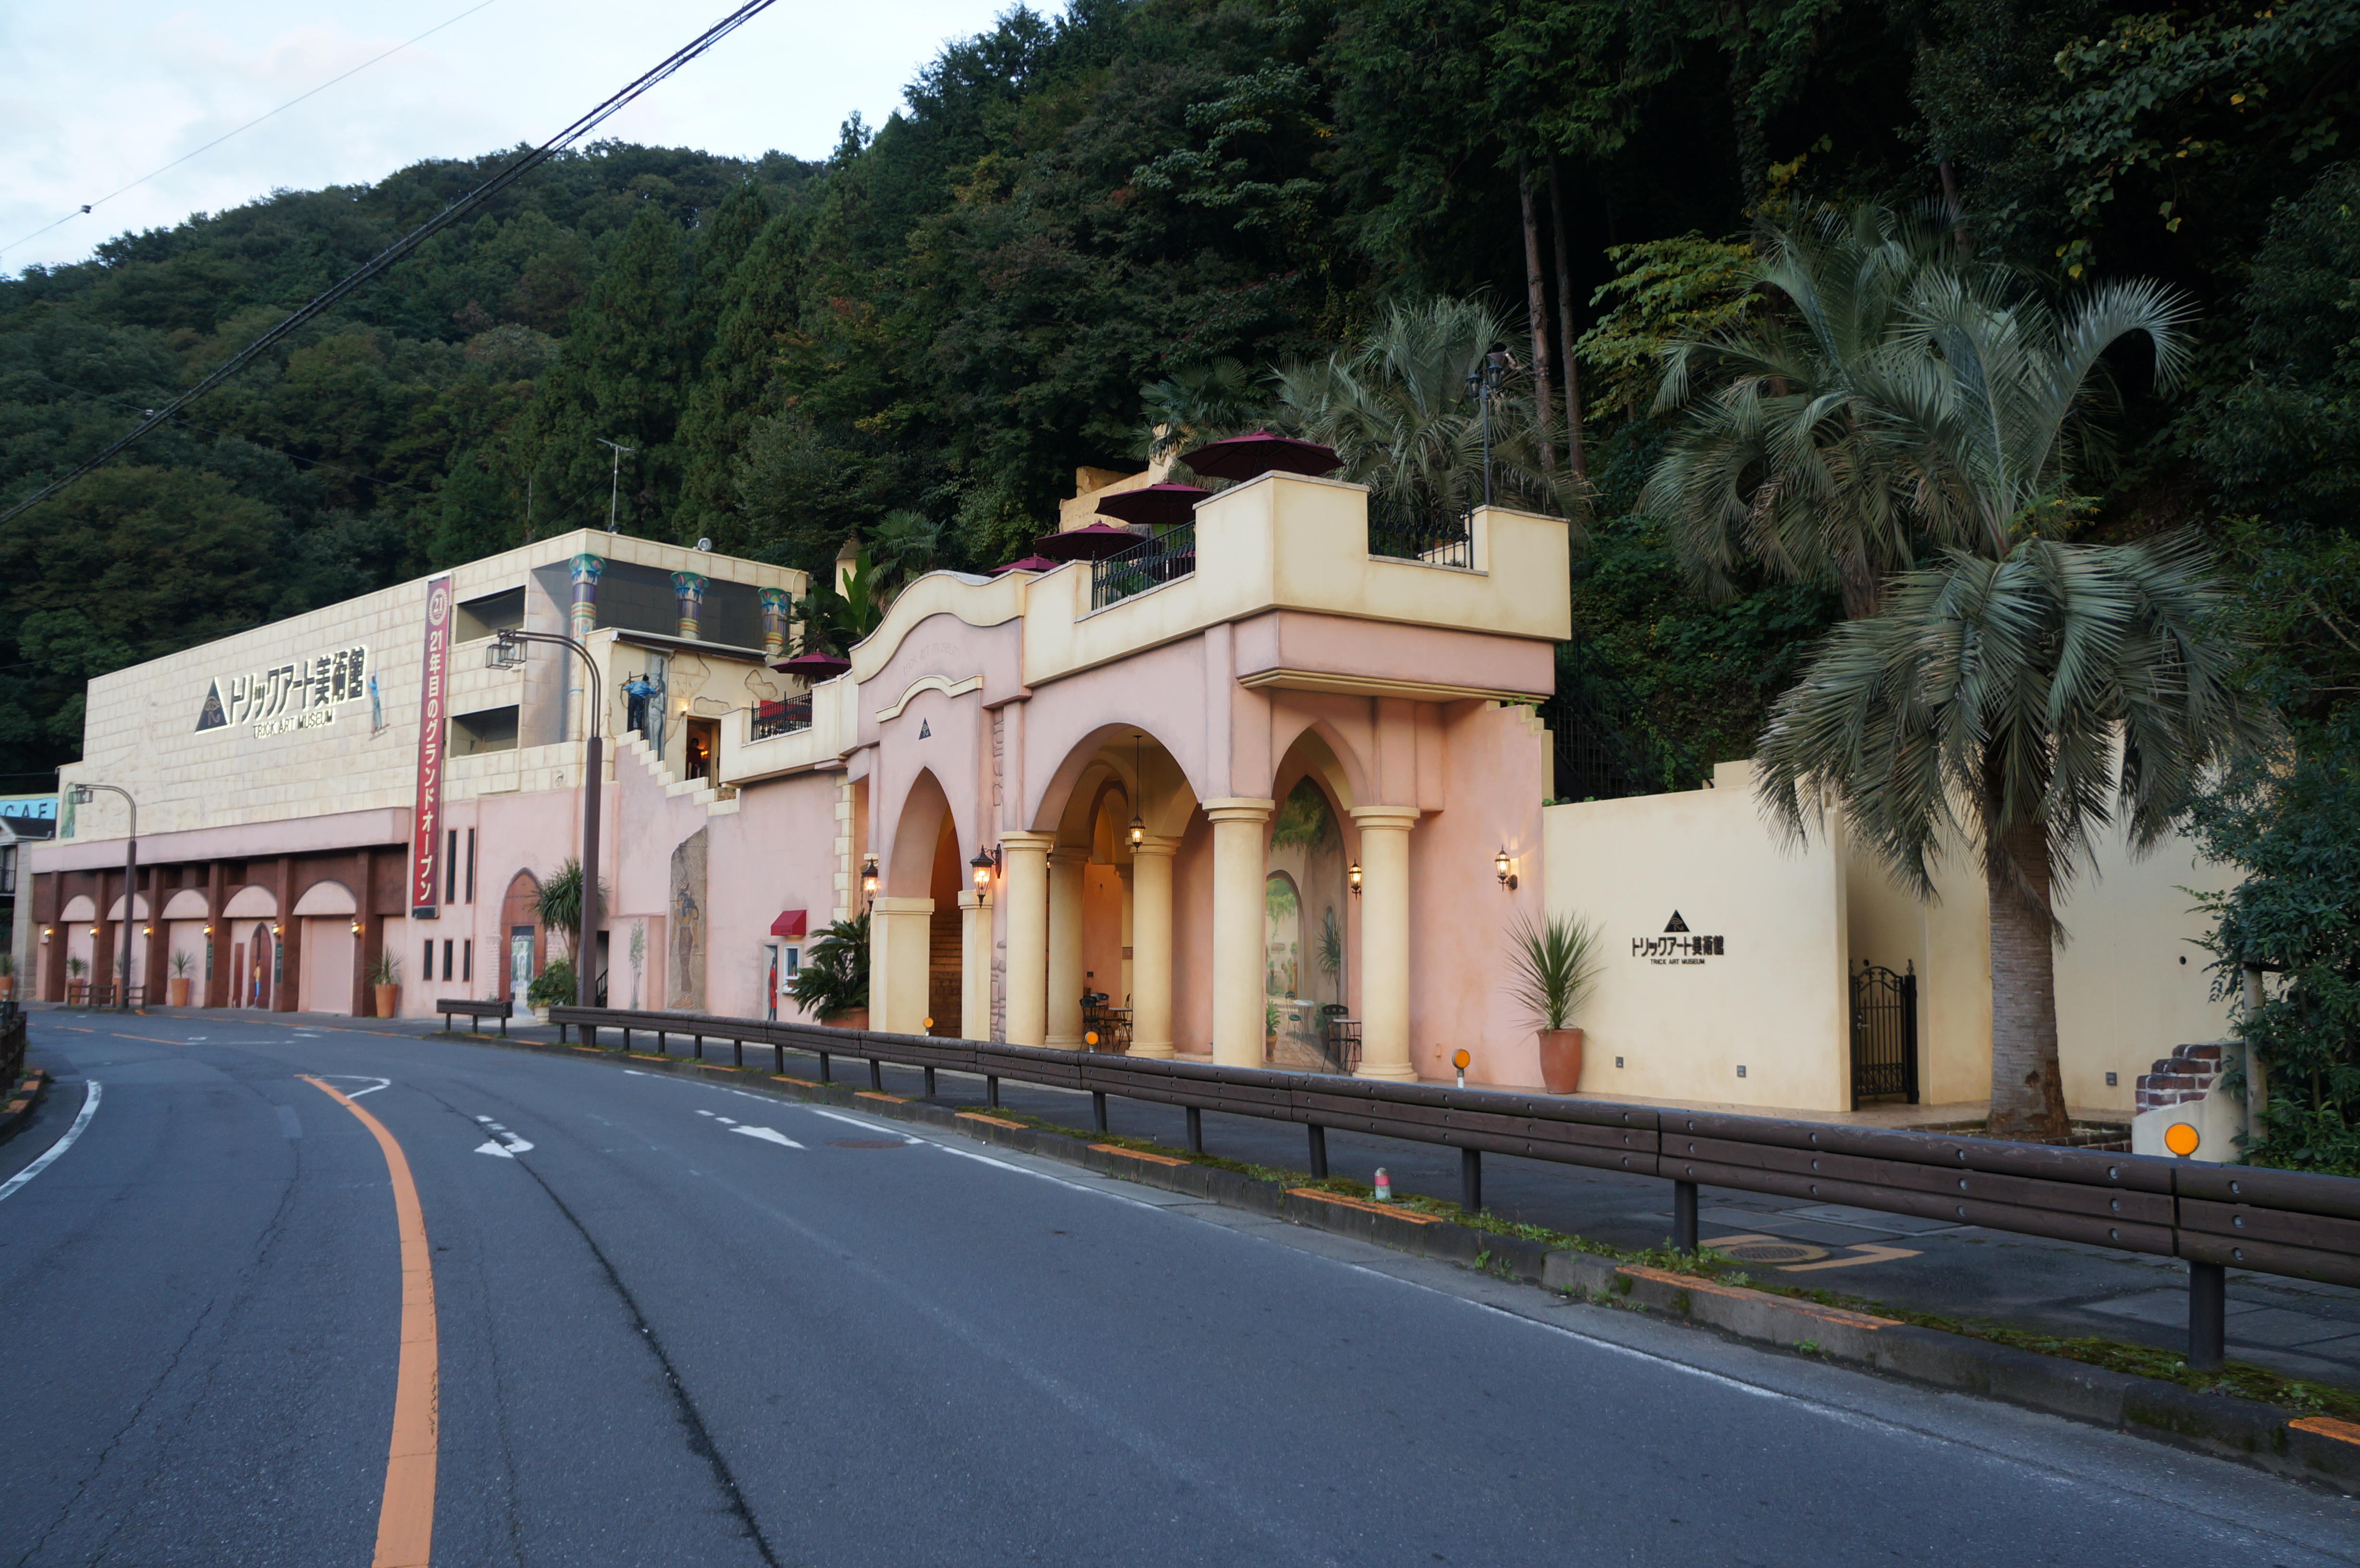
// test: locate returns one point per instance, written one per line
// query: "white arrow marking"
(506, 1145)
(494, 1149)
(767, 1136)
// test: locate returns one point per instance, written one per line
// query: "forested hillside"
(949, 315)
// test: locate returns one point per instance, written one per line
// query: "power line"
(376, 266)
(248, 126)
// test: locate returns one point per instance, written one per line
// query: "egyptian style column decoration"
(1151, 945)
(584, 619)
(1384, 941)
(899, 937)
(777, 603)
(688, 594)
(1024, 873)
(975, 965)
(1066, 868)
(1240, 835)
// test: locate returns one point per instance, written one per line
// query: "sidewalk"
(2294, 1326)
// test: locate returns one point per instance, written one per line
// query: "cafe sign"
(303, 694)
(1678, 945)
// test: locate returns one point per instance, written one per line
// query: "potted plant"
(1552, 967)
(385, 981)
(75, 969)
(176, 989)
(833, 984)
(553, 987)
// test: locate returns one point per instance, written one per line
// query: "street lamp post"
(82, 797)
(1483, 385)
(506, 652)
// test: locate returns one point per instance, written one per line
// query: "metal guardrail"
(451, 1006)
(2213, 1217)
(1437, 537)
(1150, 563)
(790, 715)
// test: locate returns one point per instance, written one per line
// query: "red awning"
(789, 924)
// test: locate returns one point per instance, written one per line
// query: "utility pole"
(615, 484)
(81, 794)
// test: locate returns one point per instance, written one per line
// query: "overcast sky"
(94, 93)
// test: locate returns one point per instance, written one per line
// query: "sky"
(95, 94)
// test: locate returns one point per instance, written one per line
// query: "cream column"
(1151, 946)
(975, 966)
(1024, 884)
(899, 937)
(1384, 941)
(1066, 948)
(1240, 827)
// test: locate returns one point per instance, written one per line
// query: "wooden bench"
(451, 1006)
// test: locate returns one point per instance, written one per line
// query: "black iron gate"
(1883, 1035)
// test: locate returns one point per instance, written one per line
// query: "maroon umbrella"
(1093, 543)
(1253, 456)
(813, 667)
(1029, 563)
(1157, 506)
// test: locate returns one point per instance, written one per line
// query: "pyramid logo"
(1677, 924)
(211, 716)
(925, 730)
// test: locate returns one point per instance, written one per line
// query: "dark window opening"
(446, 958)
(467, 961)
(478, 618)
(488, 729)
(470, 866)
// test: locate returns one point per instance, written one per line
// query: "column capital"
(1155, 845)
(1383, 819)
(885, 904)
(1024, 840)
(1070, 855)
(1239, 808)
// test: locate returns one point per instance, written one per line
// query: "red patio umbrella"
(1029, 563)
(1259, 453)
(1157, 506)
(1093, 543)
(813, 667)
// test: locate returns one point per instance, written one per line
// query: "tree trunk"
(2027, 1090)
(1544, 400)
(1575, 458)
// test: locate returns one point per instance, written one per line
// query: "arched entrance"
(527, 949)
(1307, 932)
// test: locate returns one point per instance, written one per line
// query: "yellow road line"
(150, 1039)
(404, 1518)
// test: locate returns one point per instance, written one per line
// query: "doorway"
(701, 755)
(261, 967)
(519, 968)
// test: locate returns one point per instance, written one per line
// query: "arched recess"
(524, 947)
(909, 868)
(327, 897)
(138, 905)
(251, 901)
(1164, 796)
(80, 907)
(188, 904)
(1311, 925)
(1317, 746)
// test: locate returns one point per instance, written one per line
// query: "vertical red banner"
(426, 820)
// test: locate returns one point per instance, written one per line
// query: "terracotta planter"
(388, 998)
(176, 992)
(855, 1019)
(8, 986)
(1561, 1059)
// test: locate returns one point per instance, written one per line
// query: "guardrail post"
(778, 1058)
(991, 1091)
(1098, 1110)
(659, 1043)
(822, 1069)
(930, 1083)
(2208, 1306)
(875, 1075)
(1319, 1151)
(1684, 1216)
(1471, 1179)
(736, 1053)
(1195, 1130)
(700, 1048)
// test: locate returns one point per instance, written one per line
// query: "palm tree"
(1396, 408)
(2020, 703)
(1895, 393)
(1203, 403)
(906, 543)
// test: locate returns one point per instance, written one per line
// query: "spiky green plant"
(835, 976)
(1553, 966)
(2019, 705)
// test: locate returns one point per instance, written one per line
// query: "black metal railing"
(1150, 563)
(1607, 745)
(1436, 536)
(764, 720)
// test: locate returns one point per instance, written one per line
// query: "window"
(446, 958)
(468, 950)
(426, 965)
(470, 866)
(451, 869)
(487, 729)
(480, 618)
(7, 869)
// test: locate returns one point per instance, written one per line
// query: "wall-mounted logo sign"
(1678, 944)
(301, 695)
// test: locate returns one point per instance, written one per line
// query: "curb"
(22, 1098)
(2317, 1449)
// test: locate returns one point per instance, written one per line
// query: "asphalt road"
(690, 1325)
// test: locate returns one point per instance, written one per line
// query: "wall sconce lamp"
(93, 931)
(276, 928)
(356, 928)
(1353, 877)
(1501, 863)
(987, 866)
(208, 930)
(146, 931)
(868, 877)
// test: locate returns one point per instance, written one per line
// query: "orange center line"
(404, 1518)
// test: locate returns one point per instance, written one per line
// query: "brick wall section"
(2188, 1073)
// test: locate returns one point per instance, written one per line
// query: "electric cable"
(370, 270)
(225, 135)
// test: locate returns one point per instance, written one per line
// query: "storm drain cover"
(1773, 1252)
(867, 1143)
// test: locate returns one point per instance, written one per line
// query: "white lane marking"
(374, 1083)
(81, 1120)
(766, 1134)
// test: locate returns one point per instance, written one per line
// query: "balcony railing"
(764, 720)
(1150, 563)
(1437, 538)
